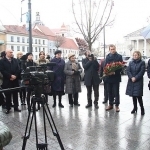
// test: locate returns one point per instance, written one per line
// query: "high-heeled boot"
(141, 105)
(54, 97)
(135, 106)
(60, 104)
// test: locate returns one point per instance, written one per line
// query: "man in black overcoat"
(114, 78)
(10, 70)
(91, 79)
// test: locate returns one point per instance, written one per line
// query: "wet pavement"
(87, 129)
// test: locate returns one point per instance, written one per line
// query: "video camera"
(38, 78)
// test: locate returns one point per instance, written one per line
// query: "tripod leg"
(54, 133)
(35, 122)
(25, 135)
(43, 102)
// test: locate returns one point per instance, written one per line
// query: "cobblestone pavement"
(87, 129)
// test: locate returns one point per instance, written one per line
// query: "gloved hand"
(76, 72)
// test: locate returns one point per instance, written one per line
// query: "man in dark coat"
(91, 79)
(114, 78)
(10, 70)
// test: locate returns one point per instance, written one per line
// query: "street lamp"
(28, 21)
(104, 40)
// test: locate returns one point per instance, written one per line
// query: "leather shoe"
(96, 106)
(104, 102)
(71, 105)
(61, 106)
(109, 108)
(17, 110)
(117, 109)
(7, 111)
(88, 105)
(77, 104)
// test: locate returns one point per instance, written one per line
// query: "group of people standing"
(67, 79)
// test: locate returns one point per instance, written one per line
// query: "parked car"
(124, 70)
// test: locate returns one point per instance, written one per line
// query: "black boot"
(135, 105)
(141, 105)
(54, 98)
(60, 104)
(88, 105)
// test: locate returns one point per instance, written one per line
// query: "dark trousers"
(113, 91)
(89, 93)
(73, 98)
(22, 95)
(10, 95)
(59, 97)
(105, 91)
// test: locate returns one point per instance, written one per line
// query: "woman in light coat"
(73, 85)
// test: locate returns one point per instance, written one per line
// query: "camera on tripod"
(38, 78)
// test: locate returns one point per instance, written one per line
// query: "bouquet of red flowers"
(112, 67)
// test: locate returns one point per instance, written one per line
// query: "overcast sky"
(131, 15)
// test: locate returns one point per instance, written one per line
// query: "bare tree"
(59, 40)
(130, 47)
(91, 16)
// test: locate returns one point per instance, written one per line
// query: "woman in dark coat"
(59, 79)
(22, 92)
(135, 72)
(73, 85)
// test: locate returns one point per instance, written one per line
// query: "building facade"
(134, 41)
(16, 38)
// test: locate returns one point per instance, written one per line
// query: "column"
(137, 44)
(145, 46)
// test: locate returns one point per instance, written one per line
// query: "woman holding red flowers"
(135, 72)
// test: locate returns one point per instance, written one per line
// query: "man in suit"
(91, 79)
(114, 78)
(10, 70)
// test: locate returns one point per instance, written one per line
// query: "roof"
(15, 29)
(69, 44)
(135, 33)
(45, 30)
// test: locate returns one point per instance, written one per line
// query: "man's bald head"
(9, 53)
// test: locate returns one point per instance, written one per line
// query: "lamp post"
(30, 26)
(104, 40)
(28, 21)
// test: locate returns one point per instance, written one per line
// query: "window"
(35, 41)
(12, 48)
(22, 39)
(53, 50)
(43, 42)
(18, 48)
(35, 49)
(23, 49)
(39, 49)
(12, 39)
(43, 49)
(39, 41)
(18, 39)
(27, 40)
(27, 49)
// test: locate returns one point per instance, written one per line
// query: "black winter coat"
(7, 69)
(135, 69)
(148, 69)
(110, 58)
(91, 69)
